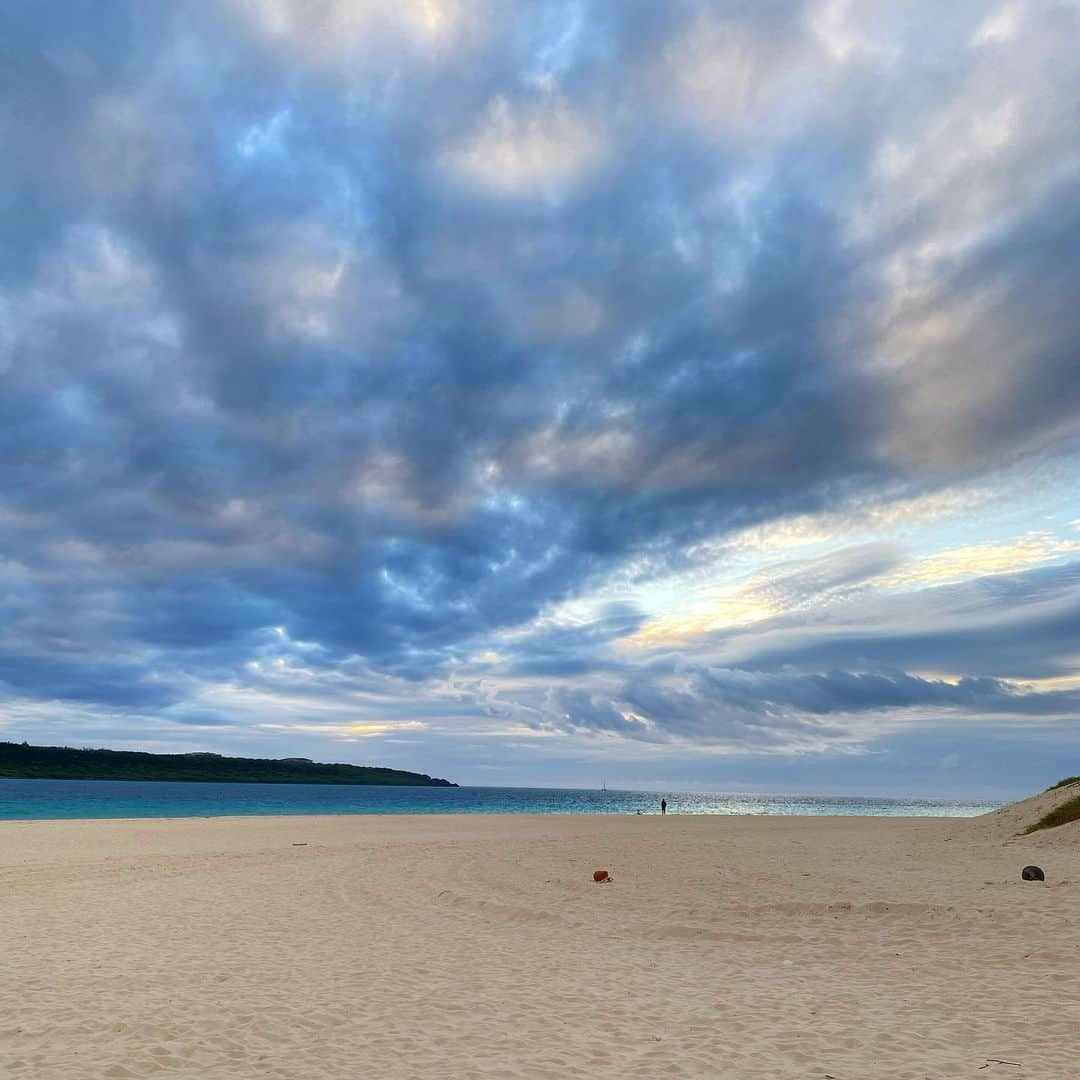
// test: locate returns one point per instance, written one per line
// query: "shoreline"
(64, 800)
(481, 815)
(270, 821)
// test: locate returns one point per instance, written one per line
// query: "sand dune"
(1009, 822)
(438, 947)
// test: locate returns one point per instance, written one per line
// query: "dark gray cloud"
(396, 333)
(762, 709)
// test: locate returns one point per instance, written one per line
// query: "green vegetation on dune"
(1063, 814)
(1064, 783)
(22, 761)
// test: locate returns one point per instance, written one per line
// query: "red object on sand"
(600, 875)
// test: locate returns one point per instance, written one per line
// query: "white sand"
(479, 947)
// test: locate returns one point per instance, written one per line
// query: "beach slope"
(479, 947)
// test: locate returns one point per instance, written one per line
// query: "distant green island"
(22, 761)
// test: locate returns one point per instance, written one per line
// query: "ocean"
(43, 799)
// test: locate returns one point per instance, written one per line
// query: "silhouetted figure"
(663, 806)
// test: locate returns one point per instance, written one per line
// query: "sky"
(679, 396)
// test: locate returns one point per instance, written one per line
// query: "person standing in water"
(663, 806)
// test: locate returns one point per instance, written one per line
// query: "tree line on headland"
(22, 761)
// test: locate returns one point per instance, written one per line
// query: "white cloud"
(1000, 26)
(527, 150)
(333, 33)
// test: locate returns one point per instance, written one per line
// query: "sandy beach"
(336, 947)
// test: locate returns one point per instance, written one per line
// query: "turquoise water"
(36, 799)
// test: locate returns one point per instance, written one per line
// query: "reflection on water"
(25, 799)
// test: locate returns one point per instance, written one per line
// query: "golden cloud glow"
(738, 609)
(363, 730)
(977, 560)
(869, 518)
(685, 610)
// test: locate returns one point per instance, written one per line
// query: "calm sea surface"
(25, 799)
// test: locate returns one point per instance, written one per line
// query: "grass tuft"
(1064, 783)
(1063, 814)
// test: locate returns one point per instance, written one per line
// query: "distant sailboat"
(603, 786)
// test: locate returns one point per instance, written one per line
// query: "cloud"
(976, 560)
(734, 74)
(1021, 626)
(350, 732)
(333, 32)
(375, 340)
(772, 593)
(525, 151)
